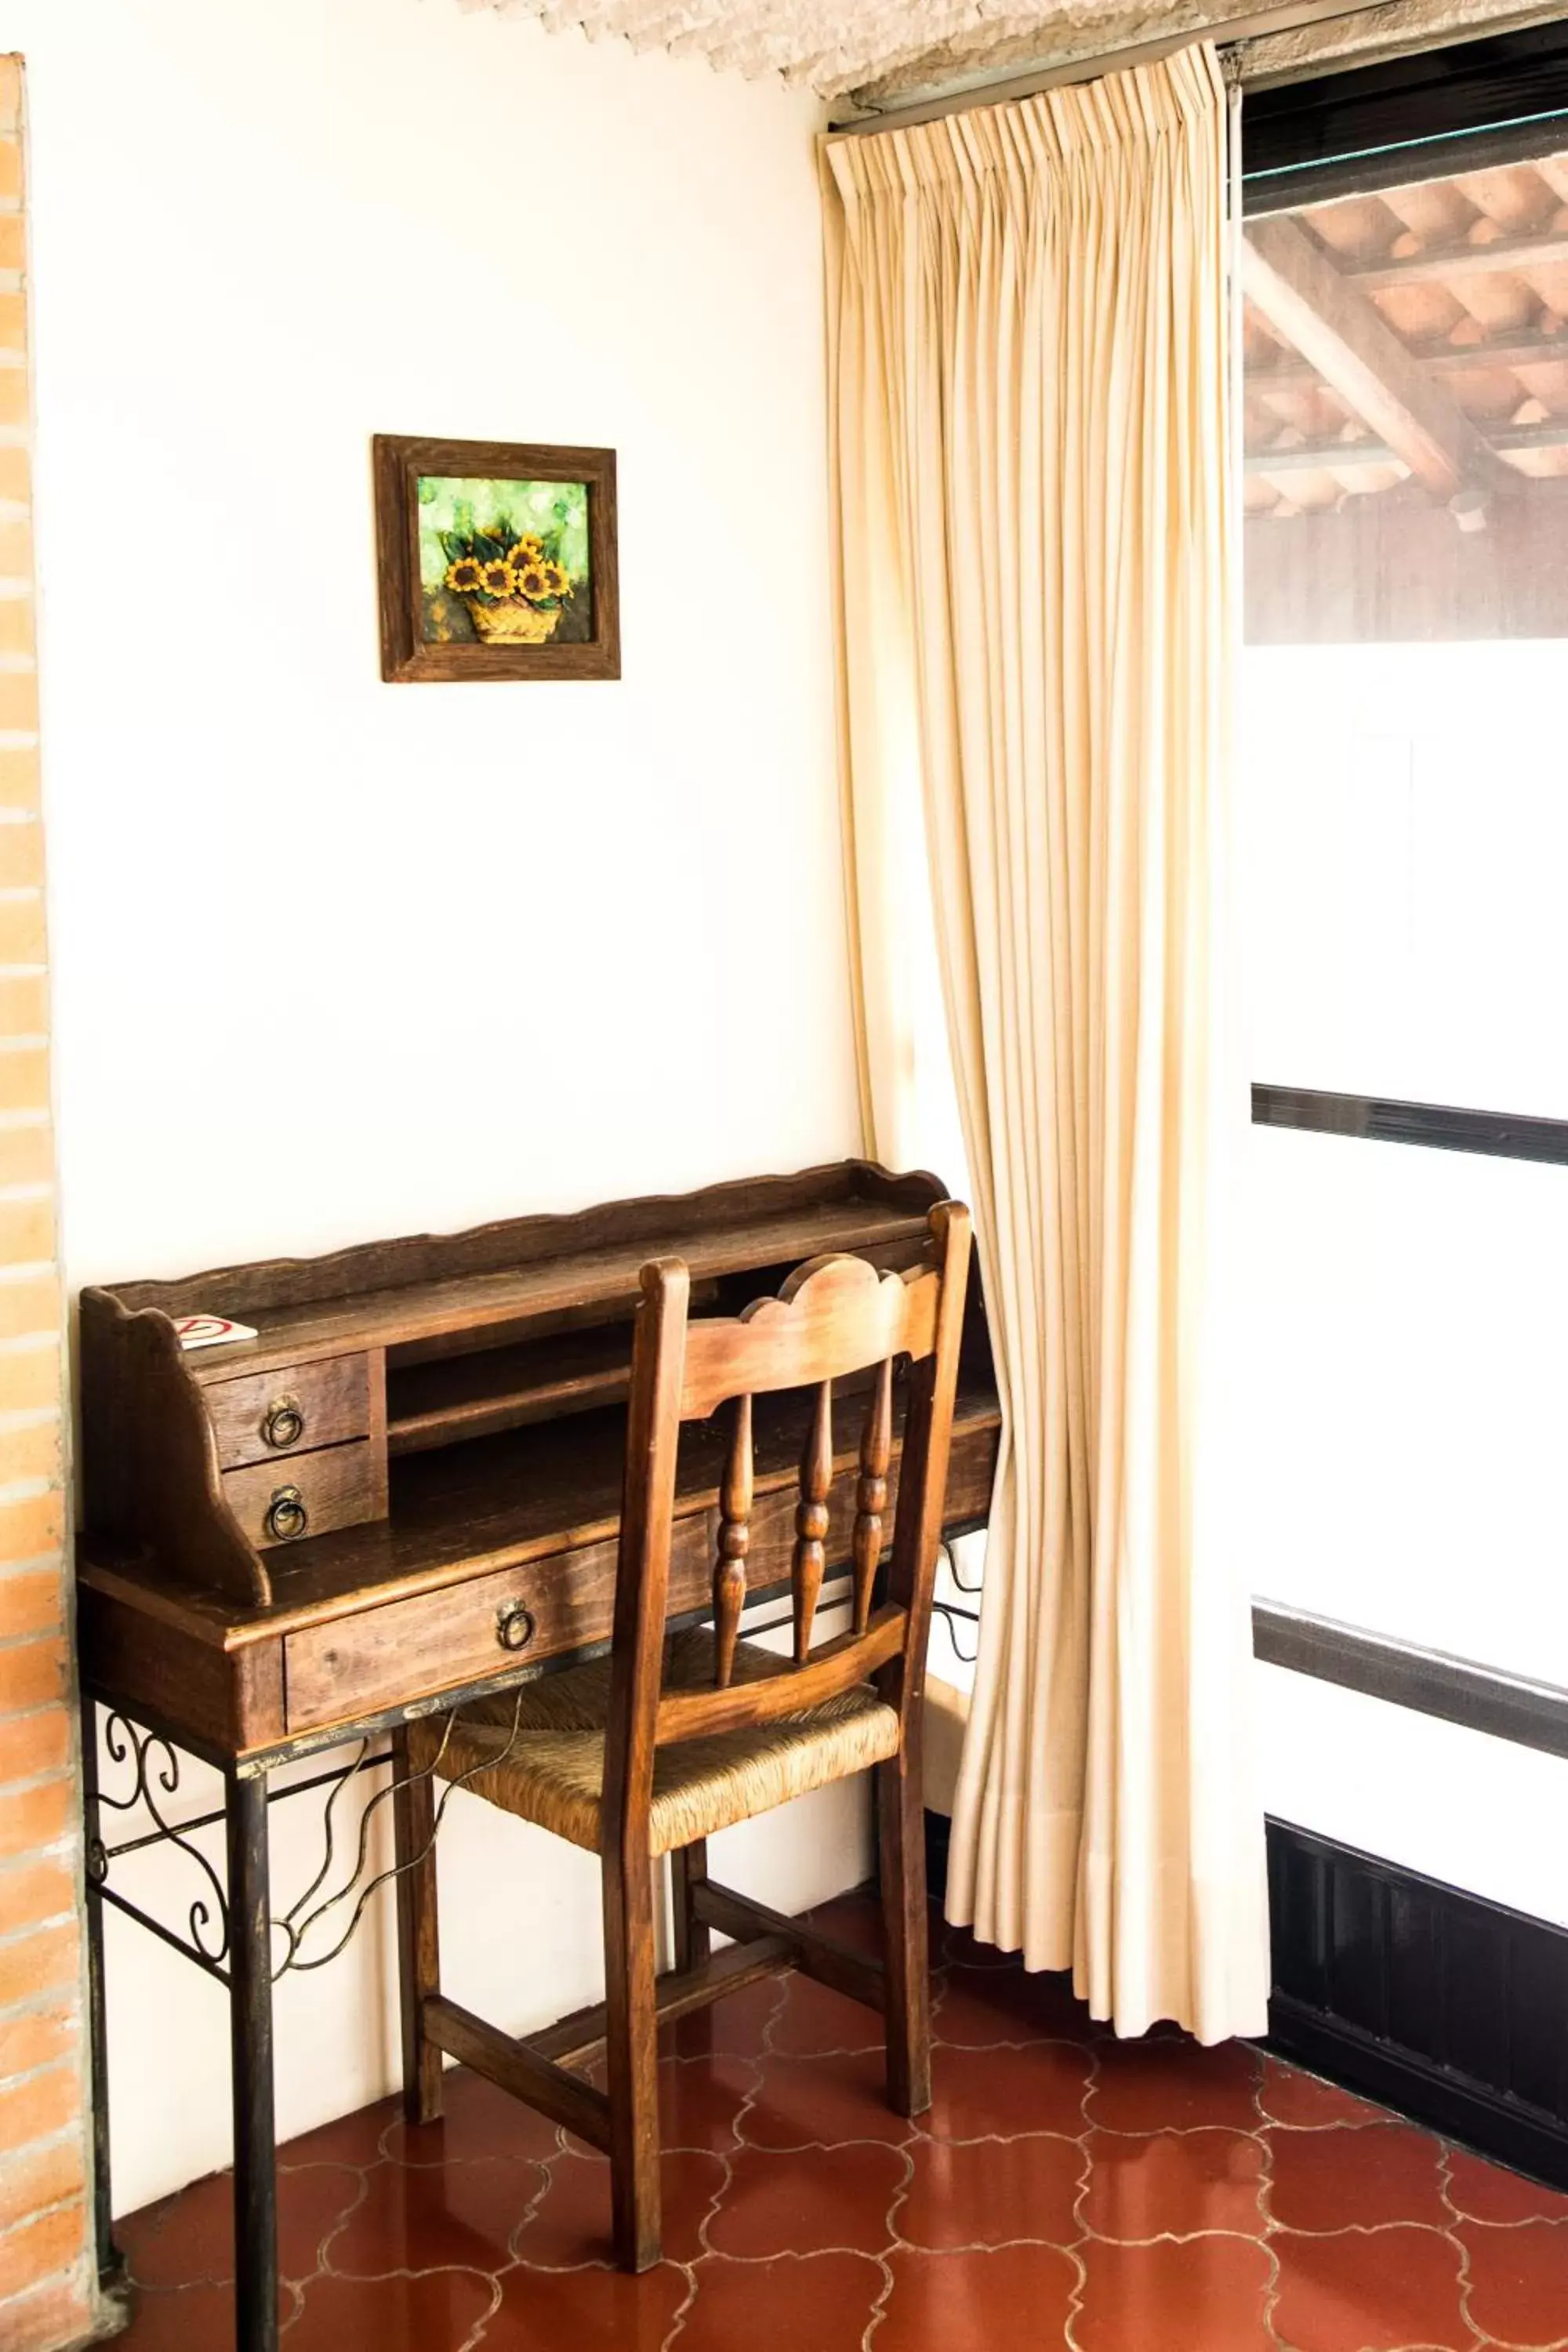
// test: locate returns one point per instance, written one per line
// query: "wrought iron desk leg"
(110, 2260)
(250, 2036)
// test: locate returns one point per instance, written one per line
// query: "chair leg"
(419, 1937)
(902, 1826)
(693, 1938)
(631, 2050)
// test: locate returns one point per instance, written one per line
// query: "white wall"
(334, 959)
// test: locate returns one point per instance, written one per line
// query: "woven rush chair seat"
(551, 1770)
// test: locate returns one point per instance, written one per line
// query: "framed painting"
(496, 560)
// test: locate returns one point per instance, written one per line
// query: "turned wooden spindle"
(811, 1520)
(734, 1541)
(871, 1493)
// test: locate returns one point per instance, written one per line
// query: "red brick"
(29, 1306)
(39, 2248)
(26, 1152)
(58, 2312)
(23, 1069)
(37, 2109)
(39, 2178)
(21, 919)
(35, 1892)
(29, 1529)
(32, 1674)
(31, 1451)
(31, 2038)
(24, 996)
(47, 1961)
(19, 687)
(31, 1602)
(32, 1744)
(31, 1818)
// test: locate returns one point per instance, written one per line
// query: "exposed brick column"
(46, 2294)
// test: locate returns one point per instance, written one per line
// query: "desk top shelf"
(425, 1440)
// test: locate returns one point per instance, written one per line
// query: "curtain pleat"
(1028, 345)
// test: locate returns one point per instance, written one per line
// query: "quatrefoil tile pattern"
(1066, 2189)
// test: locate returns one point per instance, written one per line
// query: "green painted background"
(450, 503)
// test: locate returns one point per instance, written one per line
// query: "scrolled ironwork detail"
(156, 1765)
(297, 1923)
(155, 1776)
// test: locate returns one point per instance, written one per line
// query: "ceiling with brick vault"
(833, 47)
(881, 51)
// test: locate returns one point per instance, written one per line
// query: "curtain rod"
(1225, 32)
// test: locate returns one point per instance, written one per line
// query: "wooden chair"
(672, 1738)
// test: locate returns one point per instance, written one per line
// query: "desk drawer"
(268, 1415)
(440, 1641)
(308, 1495)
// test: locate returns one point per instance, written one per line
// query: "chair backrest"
(835, 1317)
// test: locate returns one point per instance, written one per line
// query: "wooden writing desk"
(403, 1494)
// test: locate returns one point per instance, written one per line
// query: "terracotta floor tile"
(1359, 2178)
(1170, 2084)
(352, 2139)
(829, 2096)
(1370, 2291)
(191, 2319)
(1518, 2280)
(701, 2099)
(807, 2214)
(858, 1919)
(479, 2121)
(587, 2311)
(987, 2192)
(979, 2094)
(189, 2239)
(826, 2199)
(437, 2312)
(735, 2027)
(977, 2008)
(1205, 2295)
(1174, 2185)
(1288, 2096)
(819, 2301)
(570, 2226)
(1487, 2192)
(425, 2217)
(812, 2018)
(1015, 2300)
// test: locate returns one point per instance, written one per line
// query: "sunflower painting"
(496, 561)
(504, 562)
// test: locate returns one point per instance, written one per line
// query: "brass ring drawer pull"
(284, 1424)
(514, 1625)
(287, 1516)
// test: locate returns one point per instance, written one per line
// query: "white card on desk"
(209, 1330)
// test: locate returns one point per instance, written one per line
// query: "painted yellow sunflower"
(556, 582)
(465, 577)
(495, 577)
(529, 581)
(528, 550)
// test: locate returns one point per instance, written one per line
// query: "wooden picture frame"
(495, 559)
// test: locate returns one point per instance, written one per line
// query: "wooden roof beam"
(1347, 457)
(1334, 326)
(1437, 356)
(1439, 262)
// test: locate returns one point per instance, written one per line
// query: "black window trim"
(1466, 106)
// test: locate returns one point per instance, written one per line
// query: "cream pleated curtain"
(1037, 576)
